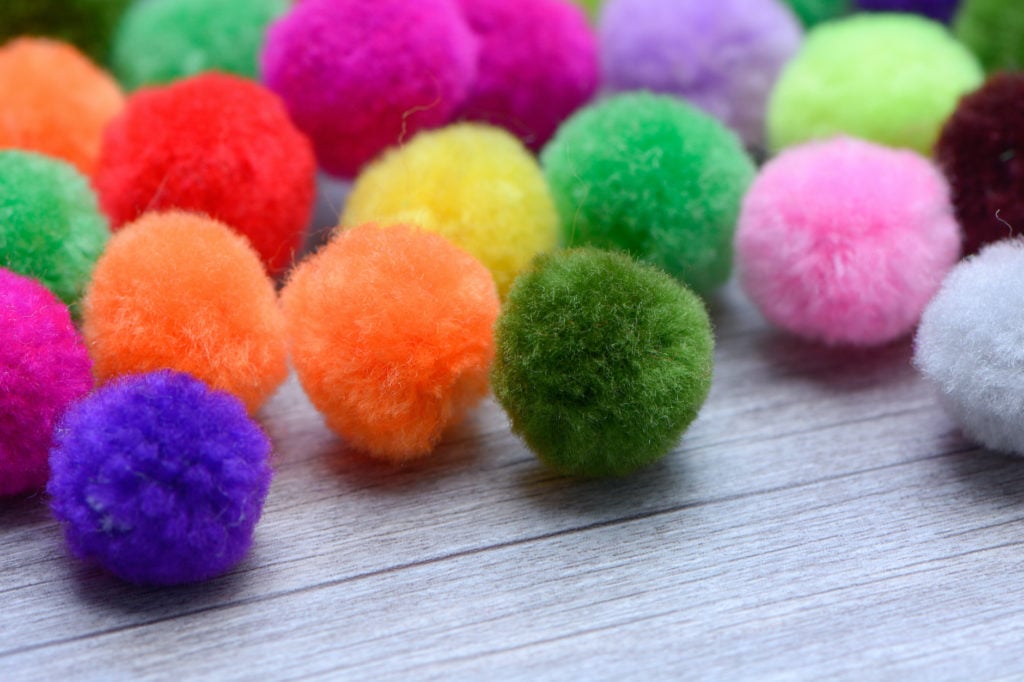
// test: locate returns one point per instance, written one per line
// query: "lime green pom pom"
(51, 227)
(652, 176)
(602, 363)
(593, 7)
(890, 78)
(994, 30)
(160, 41)
(87, 24)
(813, 12)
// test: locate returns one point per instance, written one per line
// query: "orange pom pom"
(55, 101)
(391, 333)
(181, 291)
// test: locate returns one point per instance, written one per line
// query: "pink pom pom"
(43, 368)
(846, 241)
(538, 64)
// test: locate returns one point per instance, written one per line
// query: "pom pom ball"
(361, 76)
(43, 368)
(159, 479)
(180, 291)
(970, 345)
(538, 63)
(813, 12)
(215, 144)
(846, 241)
(981, 151)
(51, 228)
(841, 82)
(87, 24)
(601, 363)
(994, 30)
(652, 176)
(55, 101)
(473, 184)
(939, 10)
(159, 41)
(391, 333)
(722, 56)
(592, 6)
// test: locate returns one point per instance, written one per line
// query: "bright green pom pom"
(87, 24)
(994, 30)
(593, 7)
(601, 362)
(893, 79)
(813, 12)
(51, 227)
(160, 41)
(652, 176)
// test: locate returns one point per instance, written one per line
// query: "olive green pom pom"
(601, 362)
(161, 41)
(994, 30)
(87, 24)
(51, 228)
(652, 176)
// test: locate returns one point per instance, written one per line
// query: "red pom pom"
(218, 145)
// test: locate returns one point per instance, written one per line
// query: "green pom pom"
(601, 362)
(593, 7)
(893, 79)
(87, 24)
(652, 176)
(160, 41)
(994, 30)
(51, 227)
(813, 12)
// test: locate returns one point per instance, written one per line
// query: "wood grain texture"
(822, 518)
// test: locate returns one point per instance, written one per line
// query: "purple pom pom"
(159, 479)
(44, 367)
(724, 56)
(538, 64)
(940, 10)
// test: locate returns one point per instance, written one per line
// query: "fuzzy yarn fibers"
(722, 56)
(845, 241)
(970, 346)
(159, 479)
(392, 335)
(44, 367)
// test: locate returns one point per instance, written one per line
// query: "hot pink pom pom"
(43, 368)
(846, 241)
(538, 64)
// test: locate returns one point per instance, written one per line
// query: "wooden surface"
(822, 518)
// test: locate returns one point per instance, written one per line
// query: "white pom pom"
(970, 345)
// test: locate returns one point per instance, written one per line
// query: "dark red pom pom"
(218, 145)
(981, 151)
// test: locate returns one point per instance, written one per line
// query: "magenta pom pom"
(724, 56)
(360, 76)
(44, 367)
(846, 241)
(538, 64)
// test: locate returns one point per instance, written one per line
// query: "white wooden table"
(822, 518)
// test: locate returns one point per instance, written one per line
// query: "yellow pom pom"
(474, 184)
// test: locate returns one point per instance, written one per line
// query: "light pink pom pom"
(845, 241)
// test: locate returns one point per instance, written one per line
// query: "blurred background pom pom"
(43, 369)
(87, 24)
(939, 10)
(51, 228)
(602, 362)
(392, 335)
(846, 241)
(813, 12)
(183, 292)
(994, 30)
(359, 76)
(476, 185)
(216, 144)
(159, 479)
(723, 56)
(652, 176)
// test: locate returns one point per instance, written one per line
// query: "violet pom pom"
(939, 10)
(159, 479)
(43, 368)
(724, 56)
